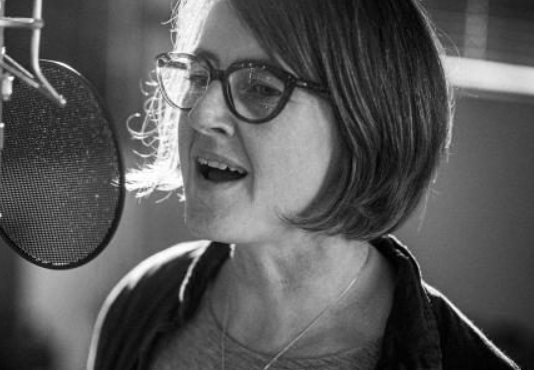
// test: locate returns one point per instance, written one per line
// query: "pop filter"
(62, 178)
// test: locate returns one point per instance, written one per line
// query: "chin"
(208, 227)
(227, 230)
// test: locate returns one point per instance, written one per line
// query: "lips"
(217, 169)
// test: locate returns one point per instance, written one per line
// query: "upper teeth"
(219, 165)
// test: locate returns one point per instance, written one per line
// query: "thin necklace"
(299, 335)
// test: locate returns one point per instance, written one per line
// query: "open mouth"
(219, 172)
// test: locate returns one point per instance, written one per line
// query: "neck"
(272, 291)
(294, 269)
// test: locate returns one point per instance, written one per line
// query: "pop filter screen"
(62, 181)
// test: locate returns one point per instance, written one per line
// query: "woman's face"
(286, 160)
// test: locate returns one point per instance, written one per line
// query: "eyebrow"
(212, 57)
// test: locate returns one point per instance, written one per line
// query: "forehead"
(224, 38)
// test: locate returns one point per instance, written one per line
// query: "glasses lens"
(256, 92)
(183, 80)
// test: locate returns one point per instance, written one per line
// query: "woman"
(308, 131)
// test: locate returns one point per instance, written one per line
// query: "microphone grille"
(61, 183)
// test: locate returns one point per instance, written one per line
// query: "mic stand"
(9, 68)
(37, 81)
(2, 52)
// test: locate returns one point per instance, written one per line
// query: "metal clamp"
(35, 80)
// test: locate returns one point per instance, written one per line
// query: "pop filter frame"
(62, 179)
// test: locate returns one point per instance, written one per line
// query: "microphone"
(61, 170)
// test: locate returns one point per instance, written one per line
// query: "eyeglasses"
(254, 92)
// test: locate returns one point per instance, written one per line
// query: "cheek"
(309, 161)
(185, 138)
(293, 163)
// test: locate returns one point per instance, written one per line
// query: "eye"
(199, 80)
(187, 70)
(263, 90)
(257, 84)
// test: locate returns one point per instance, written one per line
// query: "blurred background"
(473, 237)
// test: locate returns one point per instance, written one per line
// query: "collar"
(411, 339)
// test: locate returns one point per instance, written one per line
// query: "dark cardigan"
(424, 330)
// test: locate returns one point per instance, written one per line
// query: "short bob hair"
(381, 62)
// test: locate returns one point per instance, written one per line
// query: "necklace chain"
(299, 335)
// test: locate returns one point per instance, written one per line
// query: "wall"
(476, 240)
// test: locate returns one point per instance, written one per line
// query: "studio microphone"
(61, 170)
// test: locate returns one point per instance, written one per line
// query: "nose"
(211, 115)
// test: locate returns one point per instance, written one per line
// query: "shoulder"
(141, 298)
(425, 327)
(463, 345)
(165, 268)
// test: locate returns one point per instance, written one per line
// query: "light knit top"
(199, 346)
